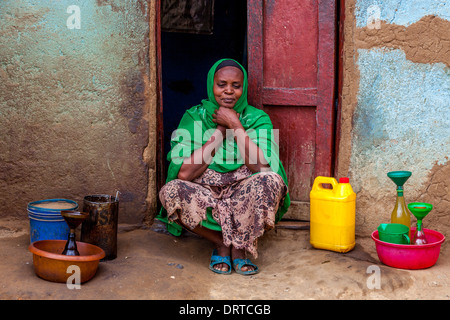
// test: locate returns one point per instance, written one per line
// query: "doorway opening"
(188, 56)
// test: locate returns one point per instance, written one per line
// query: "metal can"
(100, 228)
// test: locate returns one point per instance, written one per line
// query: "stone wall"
(395, 107)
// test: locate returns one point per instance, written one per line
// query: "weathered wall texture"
(76, 104)
(395, 107)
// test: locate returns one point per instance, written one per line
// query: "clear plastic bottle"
(420, 210)
(419, 236)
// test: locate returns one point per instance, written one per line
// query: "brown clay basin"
(51, 265)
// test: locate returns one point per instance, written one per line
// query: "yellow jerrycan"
(332, 215)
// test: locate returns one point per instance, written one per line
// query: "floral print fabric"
(244, 205)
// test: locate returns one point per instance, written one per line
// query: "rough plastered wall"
(395, 107)
(76, 92)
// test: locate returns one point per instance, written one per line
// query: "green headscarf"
(195, 129)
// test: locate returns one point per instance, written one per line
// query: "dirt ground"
(152, 264)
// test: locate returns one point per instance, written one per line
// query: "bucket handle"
(317, 186)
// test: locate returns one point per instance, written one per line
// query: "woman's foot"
(222, 251)
(240, 254)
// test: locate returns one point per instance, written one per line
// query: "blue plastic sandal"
(239, 263)
(215, 259)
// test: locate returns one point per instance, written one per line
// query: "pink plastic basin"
(407, 256)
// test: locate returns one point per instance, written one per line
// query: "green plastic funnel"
(420, 209)
(399, 177)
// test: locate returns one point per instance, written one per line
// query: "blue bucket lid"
(53, 208)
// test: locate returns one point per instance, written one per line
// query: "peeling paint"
(401, 121)
(395, 107)
(425, 41)
(401, 12)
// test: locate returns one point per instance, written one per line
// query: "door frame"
(160, 167)
(339, 78)
(323, 97)
(256, 86)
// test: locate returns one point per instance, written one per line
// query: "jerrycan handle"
(317, 186)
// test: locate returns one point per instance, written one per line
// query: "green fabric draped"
(195, 129)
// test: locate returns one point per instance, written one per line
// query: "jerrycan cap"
(344, 180)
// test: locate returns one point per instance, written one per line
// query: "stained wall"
(77, 103)
(77, 106)
(396, 106)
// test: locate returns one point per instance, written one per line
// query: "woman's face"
(228, 86)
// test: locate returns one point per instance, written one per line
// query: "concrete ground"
(152, 264)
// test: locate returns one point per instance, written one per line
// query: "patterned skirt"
(244, 205)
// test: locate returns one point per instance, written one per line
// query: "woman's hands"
(252, 155)
(226, 118)
(200, 159)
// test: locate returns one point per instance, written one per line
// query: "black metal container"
(100, 228)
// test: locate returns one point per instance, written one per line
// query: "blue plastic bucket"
(46, 222)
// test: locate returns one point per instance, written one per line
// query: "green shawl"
(195, 129)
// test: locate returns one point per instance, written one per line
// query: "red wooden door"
(291, 64)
